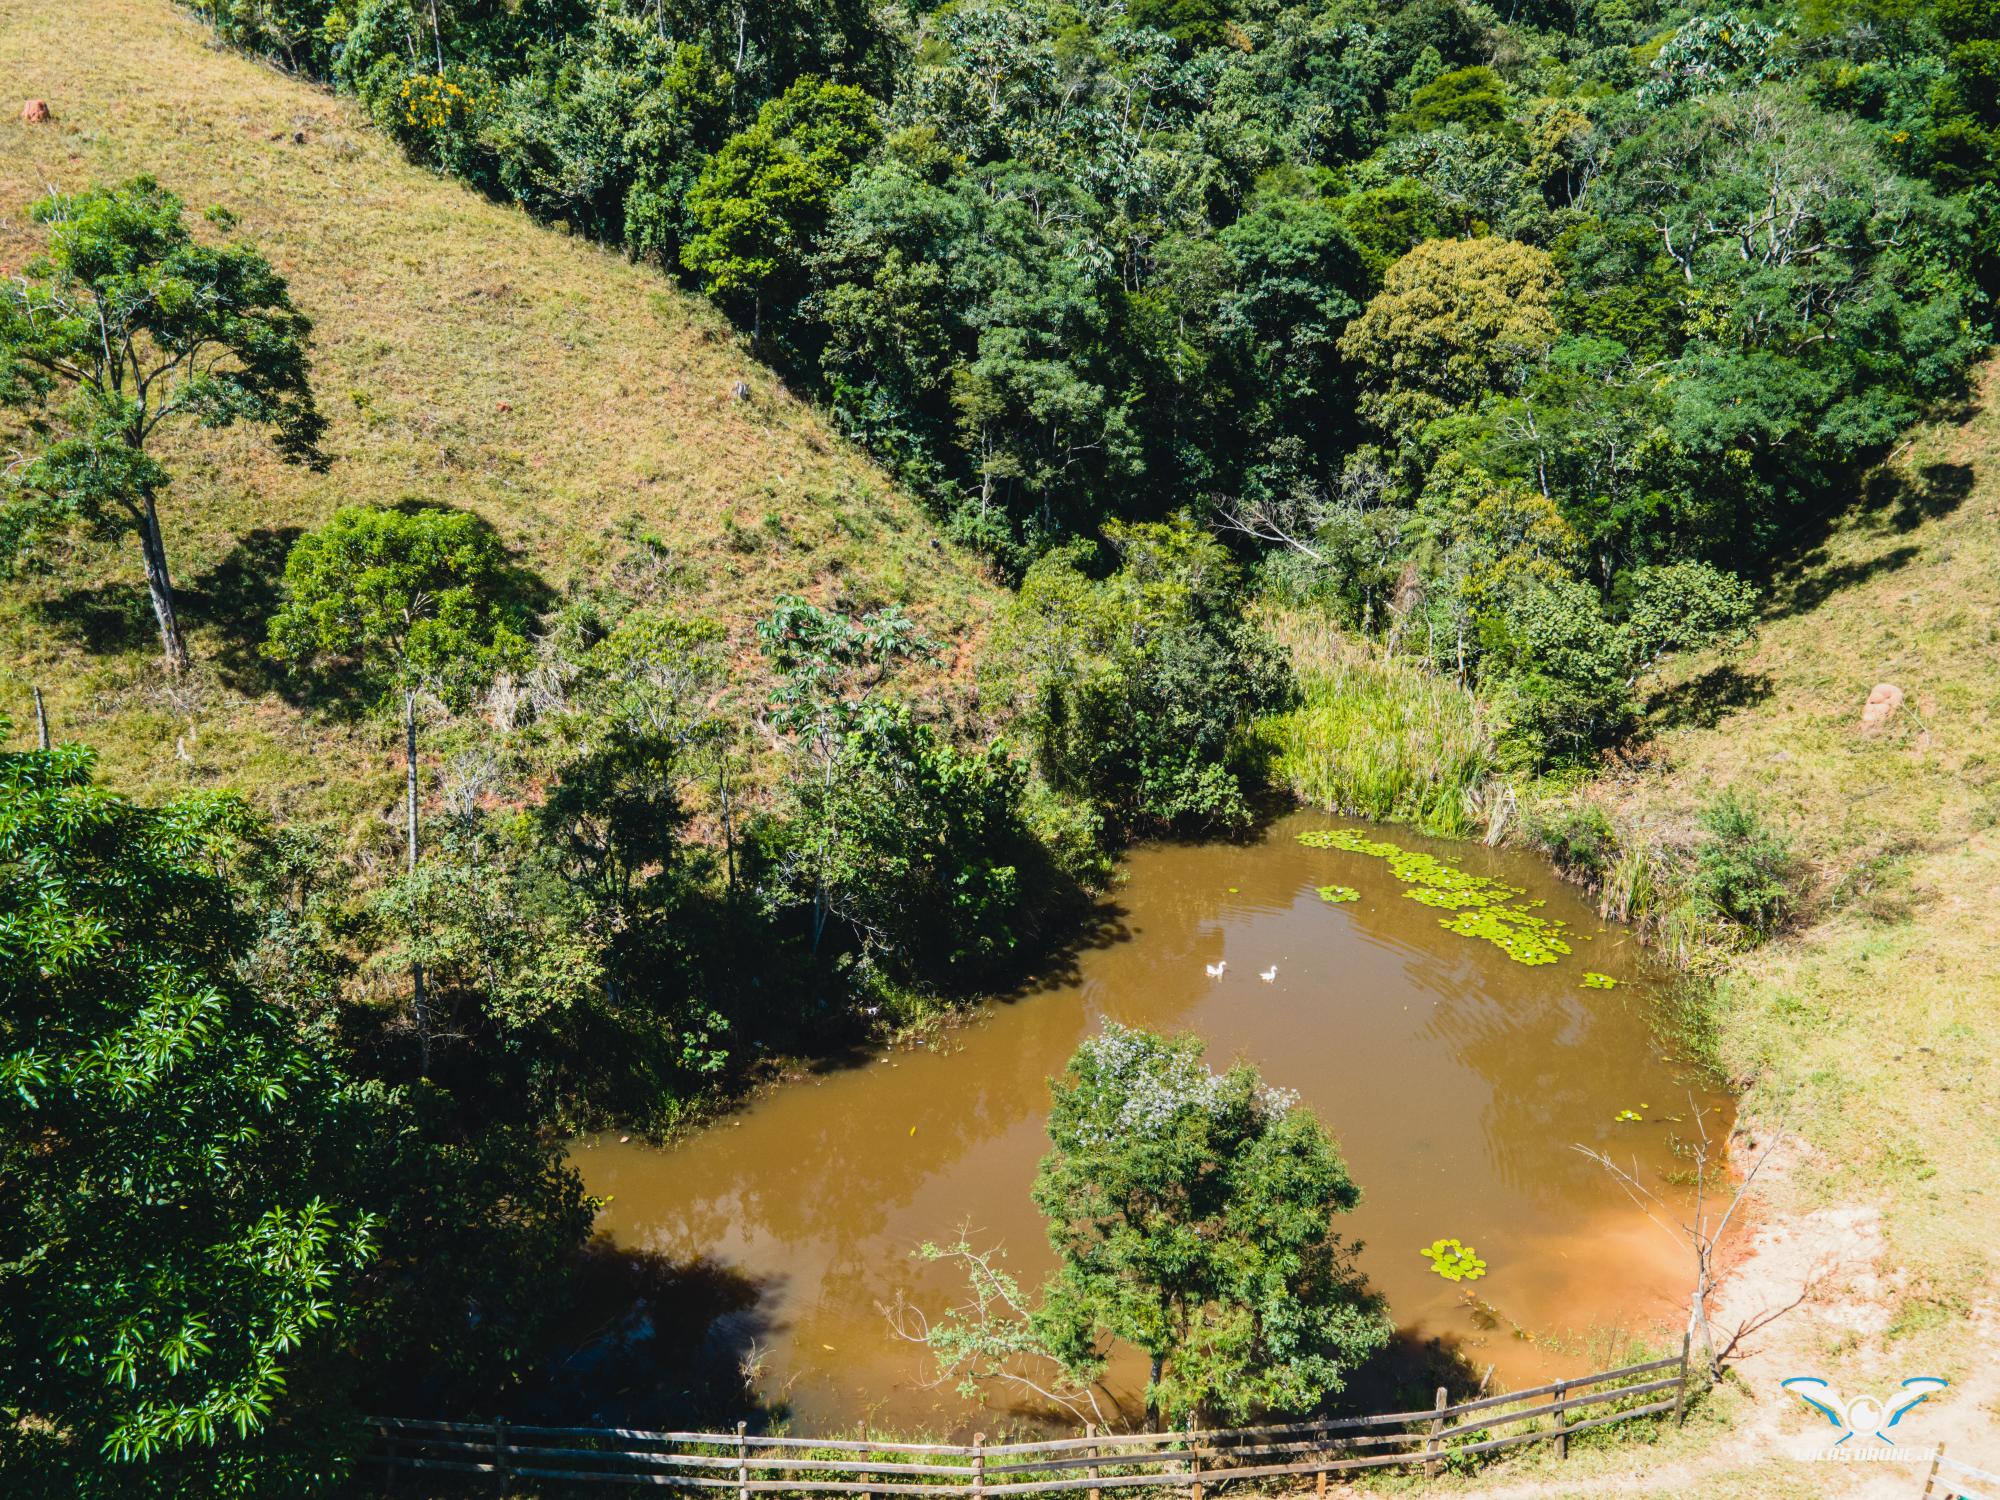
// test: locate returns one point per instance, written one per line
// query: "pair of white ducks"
(1215, 971)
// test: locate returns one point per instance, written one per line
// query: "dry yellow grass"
(463, 354)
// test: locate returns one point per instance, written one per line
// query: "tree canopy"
(181, 1236)
(125, 322)
(1192, 1217)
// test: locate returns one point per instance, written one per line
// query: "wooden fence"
(557, 1457)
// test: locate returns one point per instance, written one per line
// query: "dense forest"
(1525, 346)
(1511, 333)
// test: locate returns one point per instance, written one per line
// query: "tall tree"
(827, 663)
(410, 604)
(126, 323)
(762, 201)
(175, 1254)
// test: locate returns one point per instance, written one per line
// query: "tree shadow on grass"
(1705, 701)
(235, 600)
(1908, 500)
(102, 618)
(1811, 581)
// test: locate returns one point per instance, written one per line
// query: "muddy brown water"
(1456, 1081)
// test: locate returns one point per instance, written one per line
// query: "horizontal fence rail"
(555, 1458)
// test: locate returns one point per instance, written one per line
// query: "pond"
(1455, 1078)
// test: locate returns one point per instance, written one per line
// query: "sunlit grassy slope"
(464, 355)
(1873, 1032)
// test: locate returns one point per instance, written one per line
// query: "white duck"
(1215, 969)
(1270, 975)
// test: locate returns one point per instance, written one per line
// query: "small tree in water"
(136, 324)
(1192, 1215)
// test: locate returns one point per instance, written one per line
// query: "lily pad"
(1335, 894)
(1481, 906)
(1454, 1260)
(1595, 981)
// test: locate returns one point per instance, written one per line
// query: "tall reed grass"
(1377, 737)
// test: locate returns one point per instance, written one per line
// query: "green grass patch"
(1376, 738)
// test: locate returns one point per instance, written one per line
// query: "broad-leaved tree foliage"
(178, 1245)
(126, 322)
(1192, 1216)
(403, 605)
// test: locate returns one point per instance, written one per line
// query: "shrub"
(1578, 839)
(1744, 869)
(1139, 689)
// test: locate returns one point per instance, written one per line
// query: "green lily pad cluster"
(1630, 1116)
(1595, 981)
(1453, 1260)
(1335, 894)
(1481, 906)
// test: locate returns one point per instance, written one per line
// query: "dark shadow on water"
(1406, 1373)
(655, 1343)
(1102, 926)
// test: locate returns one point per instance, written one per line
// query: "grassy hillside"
(463, 355)
(1867, 1034)
(1873, 1031)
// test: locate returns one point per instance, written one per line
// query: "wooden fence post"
(978, 1466)
(1435, 1447)
(742, 1461)
(1681, 1395)
(1562, 1428)
(1194, 1467)
(1930, 1479)
(1090, 1431)
(500, 1450)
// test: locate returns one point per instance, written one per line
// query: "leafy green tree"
(407, 604)
(762, 201)
(828, 665)
(1473, 99)
(1682, 606)
(1570, 670)
(1560, 666)
(1712, 52)
(606, 131)
(1138, 687)
(129, 323)
(933, 865)
(178, 1257)
(1191, 1214)
(1455, 320)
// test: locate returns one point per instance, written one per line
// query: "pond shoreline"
(1326, 1016)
